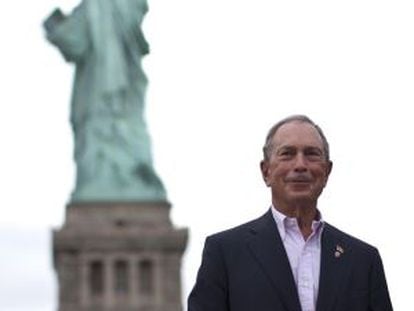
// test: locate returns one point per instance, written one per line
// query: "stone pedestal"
(119, 256)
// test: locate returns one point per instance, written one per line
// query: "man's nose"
(300, 164)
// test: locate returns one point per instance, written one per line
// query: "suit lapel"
(335, 267)
(266, 245)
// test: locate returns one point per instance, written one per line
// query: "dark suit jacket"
(247, 269)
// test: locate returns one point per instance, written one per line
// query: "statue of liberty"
(103, 38)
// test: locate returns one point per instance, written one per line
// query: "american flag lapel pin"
(339, 251)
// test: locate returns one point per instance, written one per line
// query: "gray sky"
(221, 73)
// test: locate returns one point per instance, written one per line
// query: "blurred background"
(221, 72)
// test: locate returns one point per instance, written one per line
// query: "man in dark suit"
(289, 259)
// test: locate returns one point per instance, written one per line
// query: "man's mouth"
(302, 179)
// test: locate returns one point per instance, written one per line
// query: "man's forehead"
(297, 133)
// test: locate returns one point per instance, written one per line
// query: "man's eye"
(286, 153)
(314, 154)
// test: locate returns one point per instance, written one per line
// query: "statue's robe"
(112, 146)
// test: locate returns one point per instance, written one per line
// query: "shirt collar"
(284, 222)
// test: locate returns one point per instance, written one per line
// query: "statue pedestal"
(119, 256)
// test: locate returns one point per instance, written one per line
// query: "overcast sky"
(221, 73)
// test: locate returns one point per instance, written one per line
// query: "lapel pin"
(339, 251)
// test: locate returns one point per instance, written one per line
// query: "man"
(289, 259)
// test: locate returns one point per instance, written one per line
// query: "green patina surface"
(103, 38)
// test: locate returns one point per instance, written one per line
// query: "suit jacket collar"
(335, 267)
(266, 246)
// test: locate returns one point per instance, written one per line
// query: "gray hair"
(268, 146)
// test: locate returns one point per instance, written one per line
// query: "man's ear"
(328, 171)
(264, 168)
(329, 168)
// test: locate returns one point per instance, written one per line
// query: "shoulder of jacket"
(352, 241)
(235, 232)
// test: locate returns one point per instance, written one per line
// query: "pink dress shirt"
(304, 256)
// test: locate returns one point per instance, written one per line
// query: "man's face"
(297, 169)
